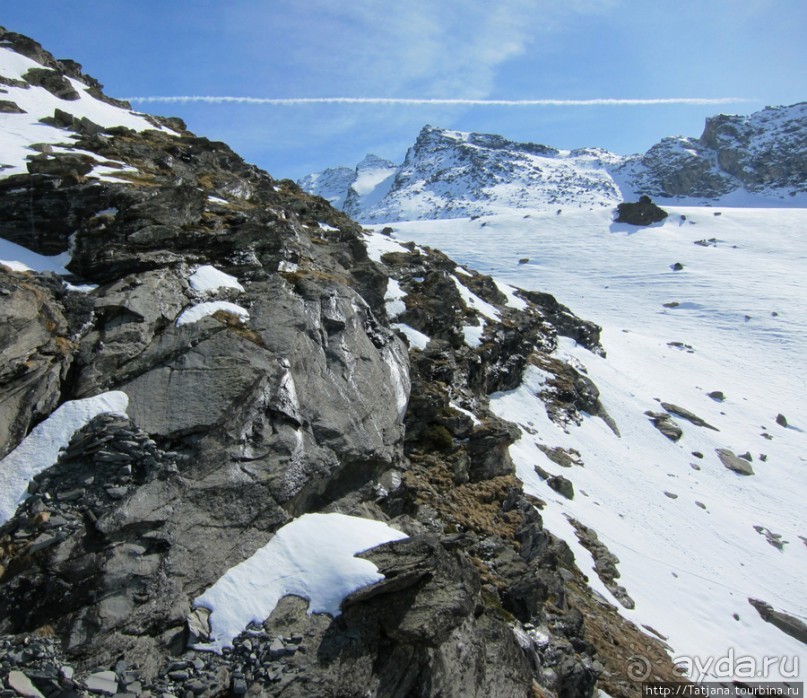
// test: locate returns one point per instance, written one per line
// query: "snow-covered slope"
(695, 540)
(31, 93)
(759, 160)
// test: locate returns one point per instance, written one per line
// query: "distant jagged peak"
(433, 137)
(371, 161)
(452, 174)
(723, 128)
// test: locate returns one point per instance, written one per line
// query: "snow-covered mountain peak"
(738, 160)
(373, 162)
(448, 174)
(352, 190)
(332, 184)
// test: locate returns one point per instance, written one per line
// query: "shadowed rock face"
(303, 400)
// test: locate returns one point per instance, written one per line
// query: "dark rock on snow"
(788, 624)
(605, 562)
(686, 414)
(666, 425)
(643, 212)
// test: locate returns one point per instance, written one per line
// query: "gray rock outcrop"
(733, 462)
(788, 624)
(292, 395)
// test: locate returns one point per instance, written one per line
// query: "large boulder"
(642, 212)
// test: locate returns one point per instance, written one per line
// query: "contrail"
(403, 101)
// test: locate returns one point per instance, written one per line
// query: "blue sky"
(753, 50)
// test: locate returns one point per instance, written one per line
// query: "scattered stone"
(671, 304)
(565, 457)
(103, 682)
(238, 685)
(781, 420)
(671, 495)
(717, 395)
(605, 562)
(694, 466)
(732, 462)
(277, 649)
(562, 486)
(9, 107)
(677, 266)
(746, 456)
(52, 81)
(23, 686)
(689, 416)
(665, 424)
(688, 348)
(701, 505)
(197, 686)
(697, 454)
(524, 260)
(774, 539)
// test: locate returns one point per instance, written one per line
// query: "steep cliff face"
(762, 154)
(215, 360)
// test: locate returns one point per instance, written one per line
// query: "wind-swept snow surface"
(312, 557)
(710, 300)
(40, 449)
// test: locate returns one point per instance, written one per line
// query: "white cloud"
(420, 47)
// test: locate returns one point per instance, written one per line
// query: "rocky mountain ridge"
(243, 329)
(451, 174)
